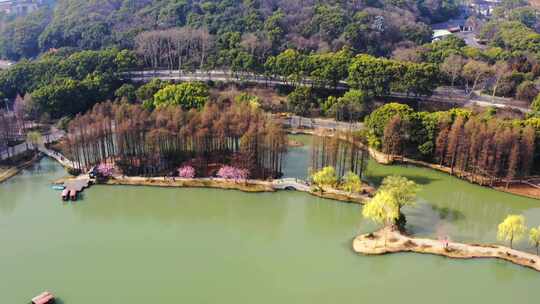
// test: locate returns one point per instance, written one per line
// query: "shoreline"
(388, 160)
(388, 241)
(366, 244)
(248, 186)
(12, 171)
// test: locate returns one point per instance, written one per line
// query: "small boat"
(73, 195)
(58, 187)
(65, 194)
(44, 298)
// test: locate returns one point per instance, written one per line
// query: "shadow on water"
(427, 219)
(421, 180)
(448, 214)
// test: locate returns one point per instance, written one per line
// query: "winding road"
(454, 97)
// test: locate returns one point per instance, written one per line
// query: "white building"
(440, 34)
(19, 7)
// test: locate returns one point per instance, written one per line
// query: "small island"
(397, 192)
(387, 240)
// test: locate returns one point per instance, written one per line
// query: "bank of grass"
(387, 240)
(12, 166)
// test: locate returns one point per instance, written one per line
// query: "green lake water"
(157, 245)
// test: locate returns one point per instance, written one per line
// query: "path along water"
(154, 245)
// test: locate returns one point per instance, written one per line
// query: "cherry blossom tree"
(186, 172)
(105, 170)
(229, 172)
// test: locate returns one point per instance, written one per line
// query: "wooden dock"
(74, 187)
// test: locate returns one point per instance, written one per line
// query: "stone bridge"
(290, 184)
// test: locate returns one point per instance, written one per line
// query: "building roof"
(440, 33)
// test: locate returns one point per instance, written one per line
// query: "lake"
(124, 244)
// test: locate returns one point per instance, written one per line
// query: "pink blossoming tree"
(229, 172)
(186, 172)
(105, 170)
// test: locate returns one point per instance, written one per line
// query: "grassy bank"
(11, 167)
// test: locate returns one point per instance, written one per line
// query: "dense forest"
(372, 26)
(476, 145)
(63, 84)
(139, 142)
(284, 39)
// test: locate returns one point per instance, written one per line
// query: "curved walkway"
(64, 161)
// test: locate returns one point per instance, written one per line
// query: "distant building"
(19, 7)
(440, 34)
(483, 7)
(5, 64)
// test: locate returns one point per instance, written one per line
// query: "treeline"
(367, 77)
(342, 151)
(155, 143)
(9, 131)
(486, 148)
(175, 48)
(12, 126)
(63, 84)
(373, 27)
(478, 146)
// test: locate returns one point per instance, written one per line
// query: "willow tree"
(534, 238)
(512, 229)
(382, 209)
(403, 191)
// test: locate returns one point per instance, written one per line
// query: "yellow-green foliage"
(402, 189)
(534, 237)
(253, 101)
(512, 229)
(325, 177)
(34, 137)
(382, 209)
(352, 182)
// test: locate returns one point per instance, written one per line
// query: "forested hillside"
(372, 26)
